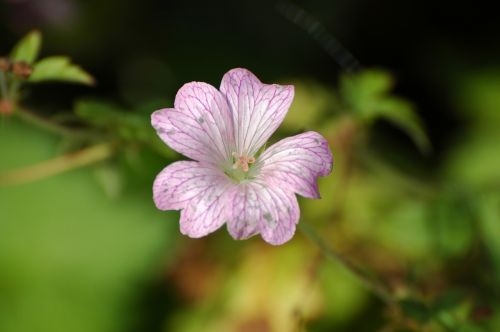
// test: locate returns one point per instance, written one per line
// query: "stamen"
(242, 161)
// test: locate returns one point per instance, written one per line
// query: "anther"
(243, 162)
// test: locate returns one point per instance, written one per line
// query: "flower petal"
(258, 109)
(296, 162)
(206, 212)
(256, 207)
(180, 182)
(197, 189)
(200, 126)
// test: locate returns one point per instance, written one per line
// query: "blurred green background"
(413, 202)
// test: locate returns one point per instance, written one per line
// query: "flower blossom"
(232, 179)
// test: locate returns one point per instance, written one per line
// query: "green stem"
(46, 124)
(85, 157)
(15, 84)
(3, 86)
(376, 288)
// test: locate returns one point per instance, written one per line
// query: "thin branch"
(15, 84)
(3, 86)
(378, 289)
(85, 157)
(46, 124)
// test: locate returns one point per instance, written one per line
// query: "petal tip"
(280, 240)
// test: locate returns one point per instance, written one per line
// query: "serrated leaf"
(59, 68)
(27, 48)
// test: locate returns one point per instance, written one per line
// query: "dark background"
(423, 42)
(143, 51)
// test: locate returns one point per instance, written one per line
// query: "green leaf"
(311, 102)
(452, 223)
(59, 68)
(99, 113)
(415, 309)
(367, 94)
(89, 258)
(27, 49)
(489, 225)
(449, 300)
(125, 125)
(362, 90)
(111, 179)
(402, 114)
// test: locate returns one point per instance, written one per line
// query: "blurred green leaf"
(311, 102)
(476, 95)
(404, 228)
(27, 48)
(59, 68)
(367, 94)
(361, 91)
(71, 258)
(126, 125)
(452, 224)
(489, 221)
(474, 160)
(447, 301)
(111, 179)
(402, 114)
(471, 327)
(99, 113)
(344, 297)
(415, 309)
(133, 127)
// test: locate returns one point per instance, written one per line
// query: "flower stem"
(57, 165)
(368, 282)
(15, 84)
(3, 86)
(46, 124)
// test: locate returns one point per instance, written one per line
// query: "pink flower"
(230, 181)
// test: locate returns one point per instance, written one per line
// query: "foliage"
(81, 242)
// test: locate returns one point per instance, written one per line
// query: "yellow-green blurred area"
(413, 202)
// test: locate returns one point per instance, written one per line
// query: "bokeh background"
(413, 202)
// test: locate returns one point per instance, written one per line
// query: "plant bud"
(6, 107)
(4, 64)
(22, 69)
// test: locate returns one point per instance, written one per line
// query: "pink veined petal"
(205, 213)
(258, 109)
(256, 207)
(296, 162)
(200, 126)
(197, 189)
(180, 182)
